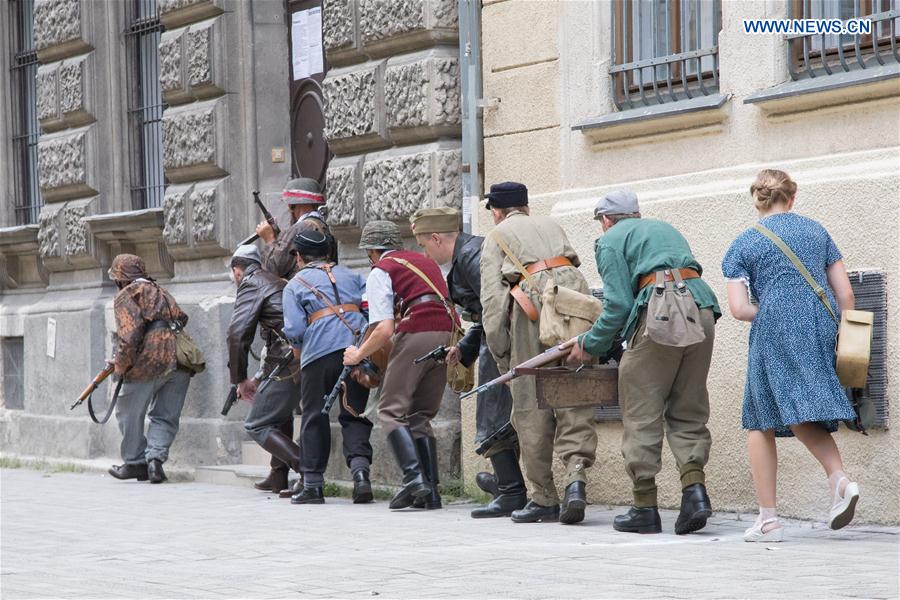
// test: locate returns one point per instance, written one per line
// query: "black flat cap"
(507, 195)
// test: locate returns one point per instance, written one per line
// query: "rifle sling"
(338, 312)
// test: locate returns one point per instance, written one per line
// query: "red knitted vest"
(428, 316)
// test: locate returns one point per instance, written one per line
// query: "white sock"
(838, 478)
(764, 515)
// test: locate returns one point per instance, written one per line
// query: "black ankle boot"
(427, 448)
(695, 509)
(535, 513)
(309, 495)
(639, 520)
(511, 493)
(275, 482)
(129, 471)
(155, 471)
(362, 488)
(573, 504)
(414, 484)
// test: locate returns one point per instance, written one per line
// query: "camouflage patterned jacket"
(147, 353)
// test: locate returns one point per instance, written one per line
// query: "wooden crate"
(561, 387)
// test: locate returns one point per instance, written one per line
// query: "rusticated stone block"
(342, 183)
(175, 215)
(63, 164)
(392, 26)
(62, 100)
(396, 185)
(48, 235)
(192, 141)
(190, 220)
(59, 29)
(421, 96)
(353, 121)
(188, 66)
(203, 204)
(76, 230)
(175, 13)
(340, 31)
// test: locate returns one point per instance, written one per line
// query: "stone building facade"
(392, 106)
(561, 124)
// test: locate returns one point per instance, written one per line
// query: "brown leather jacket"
(145, 351)
(258, 302)
(277, 257)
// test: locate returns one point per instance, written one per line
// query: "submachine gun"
(367, 366)
(549, 356)
(269, 219)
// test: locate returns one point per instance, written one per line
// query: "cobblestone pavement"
(88, 536)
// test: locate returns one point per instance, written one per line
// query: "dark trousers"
(493, 406)
(273, 408)
(316, 381)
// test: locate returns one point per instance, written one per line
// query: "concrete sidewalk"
(89, 536)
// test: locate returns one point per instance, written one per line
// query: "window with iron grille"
(664, 51)
(26, 128)
(816, 55)
(145, 104)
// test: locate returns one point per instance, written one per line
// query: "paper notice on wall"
(306, 43)
(51, 337)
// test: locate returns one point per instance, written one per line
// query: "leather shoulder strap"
(498, 239)
(427, 280)
(328, 303)
(819, 290)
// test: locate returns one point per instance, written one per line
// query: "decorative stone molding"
(63, 164)
(421, 96)
(340, 25)
(191, 220)
(342, 183)
(175, 13)
(353, 97)
(396, 185)
(193, 141)
(76, 230)
(63, 93)
(20, 262)
(59, 29)
(135, 232)
(392, 26)
(48, 234)
(189, 63)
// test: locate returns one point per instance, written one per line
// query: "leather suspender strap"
(338, 312)
(818, 289)
(444, 300)
(516, 292)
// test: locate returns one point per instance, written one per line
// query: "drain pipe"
(470, 101)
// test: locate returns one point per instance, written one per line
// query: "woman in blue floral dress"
(792, 387)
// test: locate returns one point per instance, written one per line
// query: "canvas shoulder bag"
(673, 318)
(188, 354)
(459, 378)
(853, 349)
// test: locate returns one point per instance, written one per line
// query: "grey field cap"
(380, 235)
(619, 202)
(248, 252)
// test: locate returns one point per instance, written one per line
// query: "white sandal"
(843, 506)
(756, 533)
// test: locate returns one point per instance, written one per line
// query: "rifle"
(229, 401)
(548, 356)
(269, 219)
(100, 378)
(437, 355)
(505, 434)
(282, 364)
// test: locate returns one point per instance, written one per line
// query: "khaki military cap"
(435, 220)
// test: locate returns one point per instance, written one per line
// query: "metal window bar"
(820, 55)
(26, 127)
(664, 51)
(143, 34)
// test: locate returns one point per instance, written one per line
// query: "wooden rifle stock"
(100, 378)
(269, 218)
(548, 356)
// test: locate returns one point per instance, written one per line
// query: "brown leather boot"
(276, 481)
(283, 448)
